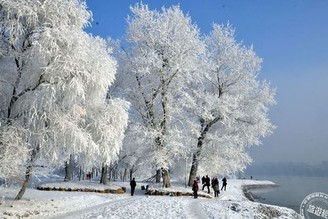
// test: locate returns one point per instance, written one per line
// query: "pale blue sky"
(292, 38)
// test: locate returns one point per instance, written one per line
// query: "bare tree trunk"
(110, 172)
(114, 174)
(124, 174)
(194, 168)
(104, 171)
(205, 127)
(25, 183)
(131, 172)
(166, 178)
(158, 176)
(80, 174)
(69, 169)
(196, 155)
(28, 174)
(67, 176)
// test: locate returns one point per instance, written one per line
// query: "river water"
(291, 190)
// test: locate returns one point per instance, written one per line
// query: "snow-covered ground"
(59, 204)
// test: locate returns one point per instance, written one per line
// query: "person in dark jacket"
(224, 184)
(216, 187)
(203, 180)
(133, 185)
(195, 189)
(207, 184)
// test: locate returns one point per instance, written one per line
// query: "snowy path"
(184, 208)
(231, 204)
(86, 211)
(133, 207)
(141, 206)
(195, 210)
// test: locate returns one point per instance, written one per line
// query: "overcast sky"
(292, 38)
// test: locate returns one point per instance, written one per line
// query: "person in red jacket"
(195, 189)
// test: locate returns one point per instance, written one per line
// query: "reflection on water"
(290, 191)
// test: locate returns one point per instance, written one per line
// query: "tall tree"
(161, 56)
(231, 105)
(54, 80)
(69, 169)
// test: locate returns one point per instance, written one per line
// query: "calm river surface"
(291, 191)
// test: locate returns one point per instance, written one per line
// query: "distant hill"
(288, 169)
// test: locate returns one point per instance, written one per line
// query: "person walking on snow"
(224, 184)
(133, 185)
(195, 189)
(216, 187)
(207, 184)
(203, 182)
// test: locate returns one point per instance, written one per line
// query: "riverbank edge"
(249, 195)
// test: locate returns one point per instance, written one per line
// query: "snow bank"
(83, 186)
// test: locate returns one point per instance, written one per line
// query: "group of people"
(207, 182)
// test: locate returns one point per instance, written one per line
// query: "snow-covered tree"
(133, 155)
(162, 54)
(54, 81)
(231, 105)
